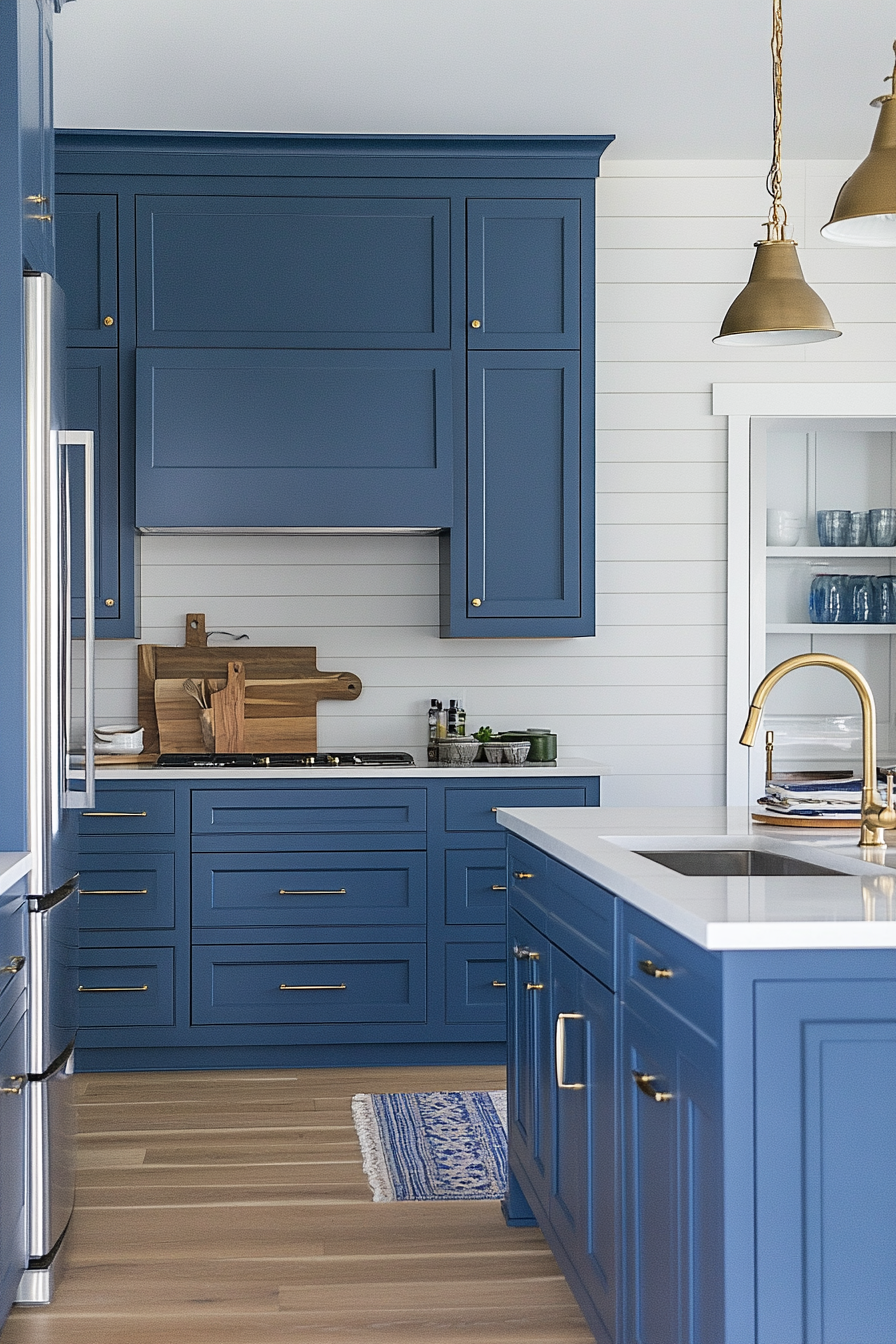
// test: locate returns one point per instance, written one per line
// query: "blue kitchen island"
(700, 1097)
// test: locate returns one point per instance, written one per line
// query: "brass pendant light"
(865, 210)
(776, 307)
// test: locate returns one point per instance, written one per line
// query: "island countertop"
(855, 910)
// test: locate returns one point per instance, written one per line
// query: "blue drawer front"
(315, 811)
(132, 893)
(565, 906)
(350, 982)
(293, 889)
(299, 271)
(692, 986)
(111, 989)
(475, 886)
(473, 809)
(13, 948)
(129, 812)
(475, 982)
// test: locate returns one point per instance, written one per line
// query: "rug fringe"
(374, 1160)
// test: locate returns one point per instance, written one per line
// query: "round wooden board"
(828, 823)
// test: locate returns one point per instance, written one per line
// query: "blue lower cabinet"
(344, 983)
(267, 890)
(529, 1062)
(475, 982)
(475, 886)
(303, 811)
(127, 892)
(126, 987)
(672, 1164)
(13, 1067)
(583, 1168)
(474, 808)
(122, 811)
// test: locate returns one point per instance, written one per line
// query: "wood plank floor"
(231, 1208)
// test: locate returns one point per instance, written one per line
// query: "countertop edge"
(565, 768)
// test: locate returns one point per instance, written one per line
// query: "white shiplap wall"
(646, 695)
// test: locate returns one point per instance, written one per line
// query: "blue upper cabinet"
(87, 266)
(36, 132)
(279, 271)
(523, 274)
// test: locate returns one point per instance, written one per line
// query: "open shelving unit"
(804, 447)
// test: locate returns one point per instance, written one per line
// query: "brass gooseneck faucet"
(877, 816)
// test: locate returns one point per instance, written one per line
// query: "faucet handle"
(887, 816)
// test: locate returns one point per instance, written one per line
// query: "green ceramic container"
(542, 743)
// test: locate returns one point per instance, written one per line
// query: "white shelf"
(829, 552)
(829, 628)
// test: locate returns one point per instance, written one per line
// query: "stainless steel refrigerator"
(59, 466)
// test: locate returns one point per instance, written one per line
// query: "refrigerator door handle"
(86, 797)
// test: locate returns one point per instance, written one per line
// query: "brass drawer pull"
(525, 954)
(339, 892)
(15, 965)
(113, 814)
(494, 809)
(114, 989)
(644, 1081)
(342, 986)
(658, 972)
(523, 875)
(560, 1050)
(530, 985)
(14, 1091)
(499, 888)
(116, 891)
(499, 984)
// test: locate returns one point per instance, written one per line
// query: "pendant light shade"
(865, 210)
(776, 306)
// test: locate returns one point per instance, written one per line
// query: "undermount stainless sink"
(735, 863)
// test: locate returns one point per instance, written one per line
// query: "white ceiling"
(686, 80)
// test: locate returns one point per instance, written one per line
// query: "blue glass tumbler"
(860, 604)
(884, 599)
(828, 599)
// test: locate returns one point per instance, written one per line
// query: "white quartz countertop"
(13, 866)
(567, 766)
(855, 910)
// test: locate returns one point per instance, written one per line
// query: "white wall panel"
(646, 694)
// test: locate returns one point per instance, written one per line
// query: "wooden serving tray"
(843, 823)
(283, 686)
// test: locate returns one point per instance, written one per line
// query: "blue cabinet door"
(215, 269)
(583, 1166)
(13, 1067)
(523, 274)
(529, 1062)
(527, 535)
(91, 386)
(87, 266)
(672, 1165)
(36, 132)
(293, 438)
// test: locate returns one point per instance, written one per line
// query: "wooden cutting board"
(282, 688)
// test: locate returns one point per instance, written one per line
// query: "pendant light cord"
(777, 215)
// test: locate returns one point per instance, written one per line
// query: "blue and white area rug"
(433, 1145)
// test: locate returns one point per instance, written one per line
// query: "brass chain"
(777, 215)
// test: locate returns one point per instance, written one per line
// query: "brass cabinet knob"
(110, 601)
(108, 321)
(656, 972)
(522, 875)
(645, 1082)
(476, 324)
(476, 602)
(15, 1091)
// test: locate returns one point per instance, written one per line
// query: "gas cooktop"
(306, 759)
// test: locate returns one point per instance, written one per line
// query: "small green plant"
(484, 735)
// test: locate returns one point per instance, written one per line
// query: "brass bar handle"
(496, 888)
(526, 954)
(116, 891)
(499, 984)
(44, 218)
(14, 1091)
(114, 989)
(560, 1050)
(532, 985)
(522, 875)
(657, 972)
(339, 892)
(113, 814)
(15, 965)
(342, 986)
(645, 1081)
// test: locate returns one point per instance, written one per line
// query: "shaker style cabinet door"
(524, 521)
(91, 389)
(529, 1060)
(87, 266)
(523, 274)
(302, 271)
